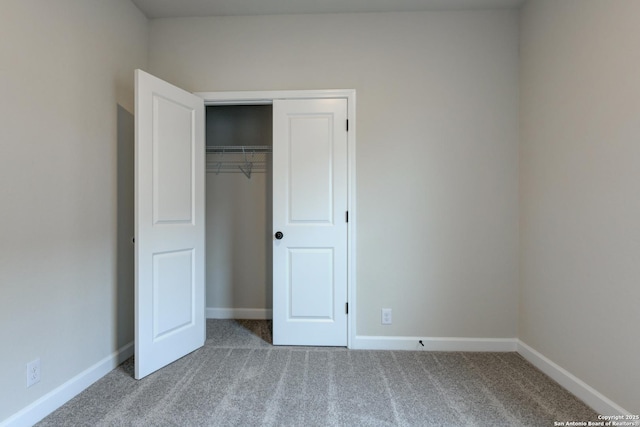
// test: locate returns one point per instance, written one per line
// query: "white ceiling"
(184, 8)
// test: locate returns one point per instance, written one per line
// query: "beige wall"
(239, 255)
(579, 192)
(437, 99)
(66, 74)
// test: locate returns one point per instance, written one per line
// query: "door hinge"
(347, 125)
(346, 216)
(346, 308)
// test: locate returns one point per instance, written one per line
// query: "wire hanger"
(219, 164)
(246, 170)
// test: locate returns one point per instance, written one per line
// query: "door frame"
(267, 97)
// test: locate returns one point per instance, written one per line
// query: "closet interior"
(239, 258)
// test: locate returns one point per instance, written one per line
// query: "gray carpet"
(239, 379)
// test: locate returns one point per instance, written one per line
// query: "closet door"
(309, 222)
(169, 236)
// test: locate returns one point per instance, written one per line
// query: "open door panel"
(169, 222)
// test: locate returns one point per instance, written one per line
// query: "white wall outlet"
(386, 316)
(33, 372)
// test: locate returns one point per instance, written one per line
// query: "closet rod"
(239, 149)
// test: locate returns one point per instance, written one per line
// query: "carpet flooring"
(239, 379)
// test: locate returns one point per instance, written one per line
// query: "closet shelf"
(247, 159)
(222, 149)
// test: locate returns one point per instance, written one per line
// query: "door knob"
(279, 235)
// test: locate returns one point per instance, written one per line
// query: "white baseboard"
(51, 401)
(596, 400)
(239, 313)
(362, 342)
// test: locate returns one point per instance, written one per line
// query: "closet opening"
(303, 191)
(291, 274)
(239, 183)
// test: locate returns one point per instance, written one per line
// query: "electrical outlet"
(386, 316)
(33, 372)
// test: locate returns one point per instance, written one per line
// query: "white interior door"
(170, 233)
(309, 210)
